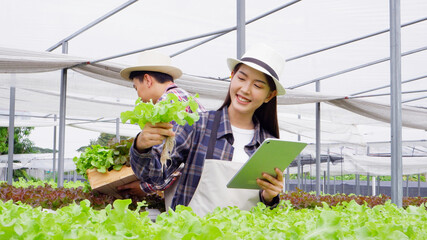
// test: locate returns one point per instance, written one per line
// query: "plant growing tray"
(108, 182)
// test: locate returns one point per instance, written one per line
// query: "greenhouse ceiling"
(294, 29)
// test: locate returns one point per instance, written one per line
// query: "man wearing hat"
(153, 79)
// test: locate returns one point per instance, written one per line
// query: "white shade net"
(96, 95)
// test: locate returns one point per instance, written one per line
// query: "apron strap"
(212, 138)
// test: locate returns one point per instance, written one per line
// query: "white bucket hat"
(155, 62)
(264, 59)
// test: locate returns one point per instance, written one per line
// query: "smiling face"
(249, 89)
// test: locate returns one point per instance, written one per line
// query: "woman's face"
(249, 89)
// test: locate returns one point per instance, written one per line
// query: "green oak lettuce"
(346, 221)
(170, 109)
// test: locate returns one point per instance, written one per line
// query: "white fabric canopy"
(96, 92)
(411, 116)
(364, 165)
(18, 61)
(207, 88)
(357, 162)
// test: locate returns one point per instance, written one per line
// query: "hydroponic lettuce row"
(170, 109)
(300, 199)
(80, 221)
(35, 192)
(52, 197)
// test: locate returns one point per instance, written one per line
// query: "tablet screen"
(273, 153)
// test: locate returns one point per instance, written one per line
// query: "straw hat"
(155, 62)
(264, 59)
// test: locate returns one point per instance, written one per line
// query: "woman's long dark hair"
(267, 112)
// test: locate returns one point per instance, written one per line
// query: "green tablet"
(273, 153)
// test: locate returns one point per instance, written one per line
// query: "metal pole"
(62, 108)
(357, 184)
(324, 181)
(351, 41)
(419, 185)
(387, 94)
(118, 129)
(54, 149)
(220, 32)
(318, 142)
(198, 44)
(78, 119)
(287, 179)
(300, 171)
(342, 177)
(304, 179)
(355, 68)
(335, 184)
(11, 132)
(368, 184)
(91, 25)
(240, 28)
(386, 86)
(407, 185)
(414, 99)
(373, 186)
(328, 171)
(396, 105)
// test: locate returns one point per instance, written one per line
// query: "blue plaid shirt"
(182, 96)
(191, 143)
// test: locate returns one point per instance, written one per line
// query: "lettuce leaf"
(171, 109)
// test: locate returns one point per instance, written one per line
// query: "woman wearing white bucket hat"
(221, 139)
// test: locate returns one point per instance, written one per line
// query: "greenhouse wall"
(410, 189)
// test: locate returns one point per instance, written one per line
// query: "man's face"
(141, 89)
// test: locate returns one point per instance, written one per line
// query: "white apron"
(212, 190)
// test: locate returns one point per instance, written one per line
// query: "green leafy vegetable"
(96, 156)
(104, 158)
(168, 110)
(80, 221)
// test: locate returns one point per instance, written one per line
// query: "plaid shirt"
(182, 95)
(191, 143)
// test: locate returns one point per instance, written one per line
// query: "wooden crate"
(108, 182)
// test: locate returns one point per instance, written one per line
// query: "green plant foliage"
(104, 139)
(96, 156)
(51, 197)
(21, 142)
(21, 173)
(3, 140)
(104, 158)
(24, 183)
(168, 110)
(43, 150)
(413, 177)
(116, 221)
(121, 151)
(300, 199)
(47, 195)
